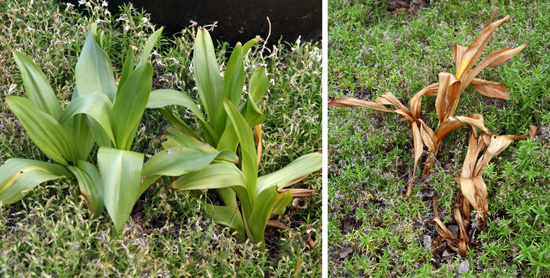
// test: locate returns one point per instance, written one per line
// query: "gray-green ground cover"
(373, 229)
(50, 232)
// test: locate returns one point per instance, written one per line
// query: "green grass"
(50, 233)
(374, 230)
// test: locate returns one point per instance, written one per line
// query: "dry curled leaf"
(472, 190)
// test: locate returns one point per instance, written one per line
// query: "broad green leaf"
(94, 72)
(90, 184)
(174, 162)
(52, 139)
(166, 97)
(219, 175)
(300, 167)
(229, 197)
(253, 117)
(130, 105)
(211, 136)
(127, 68)
(177, 139)
(149, 46)
(216, 176)
(268, 202)
(208, 79)
(83, 138)
(98, 108)
(233, 77)
(258, 84)
(227, 216)
(176, 122)
(37, 87)
(248, 148)
(18, 176)
(120, 172)
(252, 113)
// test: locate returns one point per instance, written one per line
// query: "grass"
(49, 232)
(373, 229)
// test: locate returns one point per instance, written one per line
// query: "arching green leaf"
(18, 176)
(37, 87)
(52, 139)
(94, 72)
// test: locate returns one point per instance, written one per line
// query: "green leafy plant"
(101, 112)
(249, 200)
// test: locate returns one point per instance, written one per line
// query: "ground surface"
(373, 229)
(49, 233)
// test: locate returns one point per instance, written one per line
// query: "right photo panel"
(439, 138)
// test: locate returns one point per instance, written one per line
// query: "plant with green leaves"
(101, 112)
(249, 200)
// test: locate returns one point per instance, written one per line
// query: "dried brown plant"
(472, 190)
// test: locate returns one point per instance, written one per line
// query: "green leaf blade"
(18, 176)
(227, 216)
(151, 41)
(233, 79)
(166, 97)
(130, 105)
(248, 148)
(98, 108)
(37, 87)
(94, 72)
(52, 139)
(90, 184)
(208, 79)
(120, 172)
(258, 84)
(268, 202)
(300, 167)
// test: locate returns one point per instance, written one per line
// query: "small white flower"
(272, 81)
(104, 4)
(144, 20)
(11, 89)
(107, 13)
(127, 27)
(299, 40)
(69, 5)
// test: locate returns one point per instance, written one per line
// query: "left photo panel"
(148, 140)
